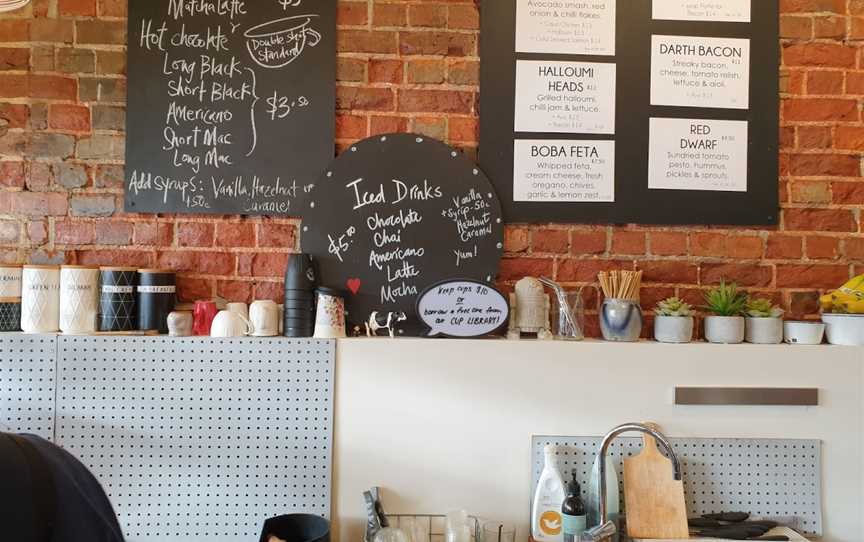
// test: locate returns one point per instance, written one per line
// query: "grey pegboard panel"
(769, 478)
(27, 383)
(200, 439)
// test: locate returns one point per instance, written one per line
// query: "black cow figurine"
(388, 320)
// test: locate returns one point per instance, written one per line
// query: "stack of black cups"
(301, 279)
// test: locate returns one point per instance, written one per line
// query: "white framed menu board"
(631, 111)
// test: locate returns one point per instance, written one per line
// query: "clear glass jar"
(568, 315)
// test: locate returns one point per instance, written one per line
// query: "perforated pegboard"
(200, 439)
(27, 383)
(769, 478)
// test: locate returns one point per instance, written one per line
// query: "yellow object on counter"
(848, 299)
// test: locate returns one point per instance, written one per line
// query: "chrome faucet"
(606, 529)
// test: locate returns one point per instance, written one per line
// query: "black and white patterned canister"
(10, 297)
(118, 310)
(157, 295)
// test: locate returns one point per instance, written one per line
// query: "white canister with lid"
(79, 299)
(10, 297)
(40, 299)
(10, 281)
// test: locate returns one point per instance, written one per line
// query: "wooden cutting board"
(654, 500)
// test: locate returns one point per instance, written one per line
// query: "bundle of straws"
(621, 284)
(11, 5)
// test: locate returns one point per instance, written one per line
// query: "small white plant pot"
(764, 330)
(724, 329)
(673, 329)
(804, 332)
(844, 329)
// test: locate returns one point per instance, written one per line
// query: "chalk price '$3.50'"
(279, 107)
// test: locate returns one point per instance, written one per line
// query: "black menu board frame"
(634, 202)
(231, 105)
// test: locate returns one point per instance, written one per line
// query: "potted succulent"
(726, 324)
(764, 322)
(673, 321)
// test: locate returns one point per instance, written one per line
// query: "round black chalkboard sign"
(395, 214)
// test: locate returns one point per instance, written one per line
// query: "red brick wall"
(412, 65)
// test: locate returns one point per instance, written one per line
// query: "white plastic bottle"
(546, 521)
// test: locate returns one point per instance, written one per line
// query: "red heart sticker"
(354, 285)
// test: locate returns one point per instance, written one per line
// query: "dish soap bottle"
(575, 521)
(546, 522)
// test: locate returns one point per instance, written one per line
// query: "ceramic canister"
(40, 299)
(118, 309)
(180, 324)
(330, 318)
(10, 298)
(157, 295)
(79, 299)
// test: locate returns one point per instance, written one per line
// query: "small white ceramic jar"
(180, 324)
(264, 317)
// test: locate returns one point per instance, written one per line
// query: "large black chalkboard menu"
(231, 104)
(631, 111)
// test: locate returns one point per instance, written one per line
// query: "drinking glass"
(496, 531)
(569, 321)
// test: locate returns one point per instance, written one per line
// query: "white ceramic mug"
(40, 299)
(230, 324)
(238, 308)
(79, 299)
(264, 316)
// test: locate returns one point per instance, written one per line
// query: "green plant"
(673, 306)
(726, 300)
(763, 308)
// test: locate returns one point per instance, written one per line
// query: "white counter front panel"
(446, 424)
